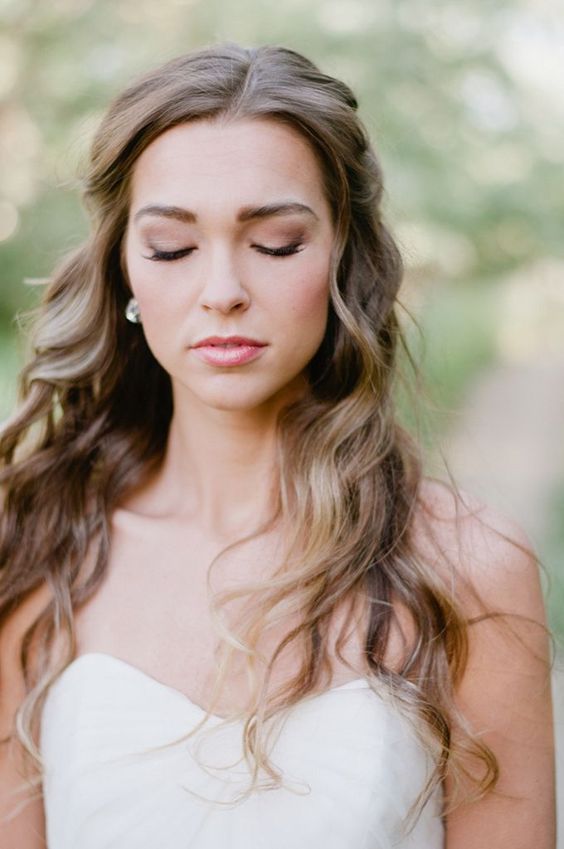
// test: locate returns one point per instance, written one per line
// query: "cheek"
(160, 313)
(310, 299)
(158, 299)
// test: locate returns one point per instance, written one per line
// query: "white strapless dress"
(351, 759)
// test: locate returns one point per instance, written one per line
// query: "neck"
(219, 470)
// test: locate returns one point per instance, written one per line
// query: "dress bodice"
(351, 761)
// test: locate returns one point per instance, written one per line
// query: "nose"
(222, 288)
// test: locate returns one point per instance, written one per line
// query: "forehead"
(207, 161)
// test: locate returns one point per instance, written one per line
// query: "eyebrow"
(247, 213)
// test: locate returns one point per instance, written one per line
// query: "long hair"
(95, 408)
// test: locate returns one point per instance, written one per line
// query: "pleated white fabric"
(351, 759)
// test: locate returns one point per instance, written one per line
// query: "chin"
(233, 396)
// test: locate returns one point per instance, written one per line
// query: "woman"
(211, 513)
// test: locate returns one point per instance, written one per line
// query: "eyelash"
(170, 256)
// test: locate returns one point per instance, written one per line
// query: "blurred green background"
(464, 104)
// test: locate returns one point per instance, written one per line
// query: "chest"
(154, 610)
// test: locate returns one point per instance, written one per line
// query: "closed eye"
(285, 250)
(169, 256)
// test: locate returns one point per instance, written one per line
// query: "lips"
(224, 341)
(224, 352)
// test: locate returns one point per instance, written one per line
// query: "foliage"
(473, 170)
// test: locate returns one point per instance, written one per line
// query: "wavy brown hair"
(95, 407)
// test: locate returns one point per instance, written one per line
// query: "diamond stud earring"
(132, 313)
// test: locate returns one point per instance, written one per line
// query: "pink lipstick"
(228, 350)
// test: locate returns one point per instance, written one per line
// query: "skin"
(220, 456)
(505, 692)
(221, 449)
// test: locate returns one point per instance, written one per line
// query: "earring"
(132, 312)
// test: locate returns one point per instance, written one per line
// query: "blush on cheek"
(311, 298)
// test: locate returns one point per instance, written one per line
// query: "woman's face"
(210, 205)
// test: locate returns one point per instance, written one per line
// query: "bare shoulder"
(16, 623)
(26, 829)
(477, 548)
(12, 631)
(487, 561)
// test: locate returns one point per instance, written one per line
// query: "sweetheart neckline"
(358, 682)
